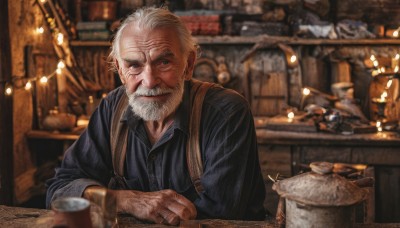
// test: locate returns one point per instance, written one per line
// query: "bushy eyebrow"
(164, 55)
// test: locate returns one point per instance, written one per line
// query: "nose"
(150, 78)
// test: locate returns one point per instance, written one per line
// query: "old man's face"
(153, 68)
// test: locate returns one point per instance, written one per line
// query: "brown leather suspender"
(193, 152)
(118, 142)
(119, 134)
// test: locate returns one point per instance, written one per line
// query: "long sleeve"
(87, 162)
(232, 178)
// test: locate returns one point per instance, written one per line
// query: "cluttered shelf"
(249, 40)
(271, 132)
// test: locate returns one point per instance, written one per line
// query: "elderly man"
(154, 55)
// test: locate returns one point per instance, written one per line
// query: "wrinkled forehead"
(135, 38)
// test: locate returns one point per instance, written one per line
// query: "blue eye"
(165, 62)
(134, 65)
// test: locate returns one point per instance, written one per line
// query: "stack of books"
(93, 30)
(201, 22)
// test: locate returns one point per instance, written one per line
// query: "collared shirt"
(232, 180)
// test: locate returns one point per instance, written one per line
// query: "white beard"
(155, 110)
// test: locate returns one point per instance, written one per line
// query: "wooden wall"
(6, 105)
(24, 18)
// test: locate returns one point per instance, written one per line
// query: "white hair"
(152, 18)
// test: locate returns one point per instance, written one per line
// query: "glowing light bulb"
(396, 69)
(293, 58)
(376, 63)
(28, 85)
(306, 91)
(372, 58)
(396, 33)
(397, 57)
(58, 71)
(60, 64)
(40, 30)
(43, 80)
(9, 90)
(383, 69)
(379, 125)
(60, 38)
(43, 1)
(389, 83)
(290, 116)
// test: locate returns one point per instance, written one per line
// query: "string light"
(28, 85)
(59, 37)
(60, 64)
(43, 80)
(9, 90)
(306, 91)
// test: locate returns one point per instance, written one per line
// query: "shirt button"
(152, 157)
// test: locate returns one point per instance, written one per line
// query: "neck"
(155, 129)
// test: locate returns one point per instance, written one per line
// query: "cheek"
(131, 86)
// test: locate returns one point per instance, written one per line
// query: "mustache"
(141, 91)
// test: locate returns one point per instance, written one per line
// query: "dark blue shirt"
(232, 180)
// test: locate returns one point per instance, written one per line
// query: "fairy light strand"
(44, 79)
(59, 37)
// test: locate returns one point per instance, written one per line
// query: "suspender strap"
(193, 152)
(118, 137)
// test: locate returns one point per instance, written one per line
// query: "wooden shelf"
(37, 134)
(391, 139)
(244, 40)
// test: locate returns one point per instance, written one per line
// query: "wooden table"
(40, 218)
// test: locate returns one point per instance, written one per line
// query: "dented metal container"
(320, 198)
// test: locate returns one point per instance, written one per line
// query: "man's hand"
(166, 206)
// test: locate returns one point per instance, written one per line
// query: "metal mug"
(71, 212)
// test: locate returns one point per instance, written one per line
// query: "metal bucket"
(298, 215)
(319, 198)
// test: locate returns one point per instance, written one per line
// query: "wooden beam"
(6, 113)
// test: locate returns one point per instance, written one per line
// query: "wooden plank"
(23, 184)
(388, 198)
(376, 156)
(6, 113)
(329, 154)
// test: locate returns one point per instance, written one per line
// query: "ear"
(121, 76)
(190, 65)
